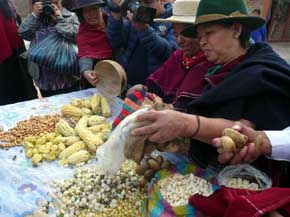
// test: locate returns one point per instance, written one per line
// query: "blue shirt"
(259, 35)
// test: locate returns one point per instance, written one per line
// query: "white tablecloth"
(21, 185)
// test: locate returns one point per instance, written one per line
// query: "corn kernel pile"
(188, 184)
(90, 193)
(45, 146)
(242, 184)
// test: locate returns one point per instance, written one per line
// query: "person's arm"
(69, 27)
(280, 142)
(28, 27)
(31, 24)
(161, 46)
(86, 64)
(117, 31)
(86, 68)
(168, 125)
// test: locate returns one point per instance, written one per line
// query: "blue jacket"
(259, 35)
(142, 51)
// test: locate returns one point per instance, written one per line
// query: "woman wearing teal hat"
(255, 86)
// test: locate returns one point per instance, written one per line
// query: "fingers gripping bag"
(169, 190)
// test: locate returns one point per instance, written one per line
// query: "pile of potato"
(149, 166)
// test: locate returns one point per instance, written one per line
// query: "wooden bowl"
(112, 77)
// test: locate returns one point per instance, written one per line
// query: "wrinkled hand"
(137, 25)
(248, 153)
(37, 8)
(137, 87)
(91, 77)
(166, 125)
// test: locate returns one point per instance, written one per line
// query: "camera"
(141, 13)
(47, 8)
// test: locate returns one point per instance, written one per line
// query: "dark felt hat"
(223, 11)
(79, 4)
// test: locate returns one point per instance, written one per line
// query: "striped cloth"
(132, 103)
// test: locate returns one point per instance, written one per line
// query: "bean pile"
(33, 126)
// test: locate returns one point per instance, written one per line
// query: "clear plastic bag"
(111, 154)
(244, 172)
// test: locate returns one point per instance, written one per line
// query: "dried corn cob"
(95, 104)
(91, 140)
(72, 149)
(78, 157)
(67, 141)
(95, 120)
(71, 111)
(86, 111)
(105, 107)
(64, 128)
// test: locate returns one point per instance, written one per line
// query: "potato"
(142, 181)
(149, 147)
(239, 139)
(228, 145)
(153, 164)
(149, 174)
(165, 164)
(259, 141)
(159, 159)
(140, 169)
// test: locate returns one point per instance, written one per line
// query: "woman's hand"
(37, 8)
(91, 76)
(249, 152)
(166, 125)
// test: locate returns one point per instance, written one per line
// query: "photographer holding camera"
(49, 17)
(144, 44)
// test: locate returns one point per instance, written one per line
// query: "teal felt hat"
(223, 11)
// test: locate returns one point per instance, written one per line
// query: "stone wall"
(22, 7)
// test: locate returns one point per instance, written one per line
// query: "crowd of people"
(201, 56)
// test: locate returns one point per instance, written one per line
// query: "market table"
(23, 186)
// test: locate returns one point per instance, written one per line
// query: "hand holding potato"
(248, 145)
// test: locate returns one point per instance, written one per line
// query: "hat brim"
(252, 22)
(177, 19)
(100, 3)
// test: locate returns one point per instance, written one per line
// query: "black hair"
(67, 4)
(5, 9)
(79, 13)
(258, 11)
(244, 36)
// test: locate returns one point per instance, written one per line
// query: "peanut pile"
(33, 126)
